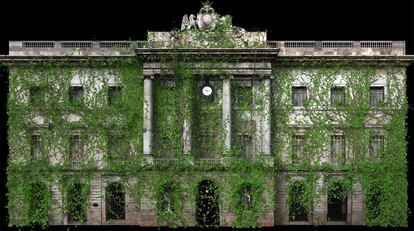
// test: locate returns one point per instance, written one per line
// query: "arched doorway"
(207, 208)
(115, 202)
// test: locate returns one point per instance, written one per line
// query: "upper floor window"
(376, 145)
(298, 148)
(246, 142)
(36, 146)
(117, 146)
(76, 149)
(376, 96)
(37, 95)
(338, 96)
(337, 147)
(299, 96)
(114, 94)
(242, 98)
(76, 94)
(115, 202)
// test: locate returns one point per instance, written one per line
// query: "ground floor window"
(115, 202)
(75, 203)
(337, 203)
(297, 210)
(207, 208)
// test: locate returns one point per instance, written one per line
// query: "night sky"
(122, 20)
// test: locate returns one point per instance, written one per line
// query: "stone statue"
(206, 17)
(188, 22)
(192, 22)
(185, 23)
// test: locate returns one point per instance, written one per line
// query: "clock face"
(207, 90)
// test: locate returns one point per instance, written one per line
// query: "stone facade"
(242, 62)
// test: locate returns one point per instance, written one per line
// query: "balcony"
(122, 48)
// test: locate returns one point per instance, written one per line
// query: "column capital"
(148, 77)
(268, 77)
(226, 77)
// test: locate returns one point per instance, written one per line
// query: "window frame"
(124, 150)
(334, 100)
(382, 146)
(69, 217)
(40, 97)
(36, 152)
(295, 103)
(348, 203)
(112, 98)
(79, 158)
(77, 101)
(376, 102)
(335, 158)
(108, 207)
(308, 221)
(295, 158)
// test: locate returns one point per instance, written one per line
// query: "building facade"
(210, 125)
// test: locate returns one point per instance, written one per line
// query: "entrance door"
(207, 209)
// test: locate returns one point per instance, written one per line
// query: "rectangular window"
(118, 147)
(298, 148)
(376, 145)
(299, 96)
(76, 95)
(376, 96)
(242, 98)
(337, 147)
(36, 148)
(114, 94)
(37, 95)
(246, 146)
(338, 96)
(206, 151)
(76, 150)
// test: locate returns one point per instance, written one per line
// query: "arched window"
(76, 202)
(38, 204)
(373, 196)
(337, 203)
(297, 209)
(115, 202)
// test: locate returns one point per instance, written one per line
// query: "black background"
(124, 20)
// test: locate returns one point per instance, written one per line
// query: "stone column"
(266, 119)
(257, 116)
(227, 114)
(320, 204)
(148, 109)
(188, 94)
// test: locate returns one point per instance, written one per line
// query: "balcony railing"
(208, 161)
(287, 48)
(167, 161)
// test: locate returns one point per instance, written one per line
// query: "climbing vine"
(88, 118)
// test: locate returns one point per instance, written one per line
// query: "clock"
(207, 90)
